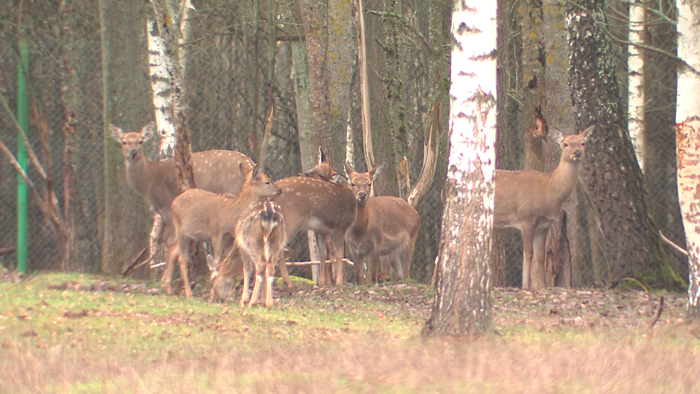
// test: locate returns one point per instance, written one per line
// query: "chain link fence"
(223, 114)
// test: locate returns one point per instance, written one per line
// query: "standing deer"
(202, 216)
(326, 208)
(260, 236)
(218, 171)
(529, 201)
(384, 226)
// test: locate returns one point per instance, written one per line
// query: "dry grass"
(58, 337)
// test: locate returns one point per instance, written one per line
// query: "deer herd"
(248, 219)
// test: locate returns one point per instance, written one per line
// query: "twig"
(135, 264)
(673, 245)
(346, 261)
(658, 312)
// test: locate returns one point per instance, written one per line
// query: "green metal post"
(23, 118)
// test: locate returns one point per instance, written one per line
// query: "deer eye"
(352, 184)
(583, 144)
(565, 145)
(141, 142)
(123, 142)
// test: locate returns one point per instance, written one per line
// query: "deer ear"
(374, 172)
(256, 173)
(321, 156)
(148, 130)
(556, 135)
(585, 133)
(348, 169)
(116, 132)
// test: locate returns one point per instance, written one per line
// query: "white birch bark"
(688, 141)
(462, 304)
(162, 104)
(635, 63)
(163, 100)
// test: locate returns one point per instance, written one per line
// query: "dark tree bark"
(561, 247)
(660, 116)
(127, 103)
(532, 121)
(329, 91)
(612, 176)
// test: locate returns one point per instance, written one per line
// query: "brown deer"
(260, 237)
(218, 171)
(529, 201)
(384, 226)
(324, 171)
(326, 208)
(202, 216)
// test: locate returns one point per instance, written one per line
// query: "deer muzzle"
(133, 154)
(362, 196)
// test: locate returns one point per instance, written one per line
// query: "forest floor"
(83, 333)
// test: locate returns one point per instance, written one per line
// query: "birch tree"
(462, 305)
(635, 62)
(688, 140)
(163, 98)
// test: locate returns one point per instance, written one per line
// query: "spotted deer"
(529, 201)
(218, 171)
(328, 209)
(260, 237)
(202, 216)
(384, 226)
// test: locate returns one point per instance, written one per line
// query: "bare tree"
(462, 305)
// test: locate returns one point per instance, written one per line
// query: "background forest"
(88, 66)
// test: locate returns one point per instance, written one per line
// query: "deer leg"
(168, 251)
(527, 235)
(173, 254)
(259, 270)
(184, 252)
(395, 262)
(323, 277)
(247, 268)
(338, 242)
(374, 264)
(270, 278)
(538, 279)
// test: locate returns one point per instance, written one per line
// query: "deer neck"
(362, 217)
(563, 179)
(140, 174)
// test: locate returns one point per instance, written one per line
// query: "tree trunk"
(660, 117)
(611, 173)
(688, 128)
(126, 102)
(462, 304)
(635, 61)
(561, 247)
(300, 75)
(170, 33)
(72, 260)
(532, 120)
(339, 69)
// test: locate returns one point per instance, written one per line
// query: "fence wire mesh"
(222, 61)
